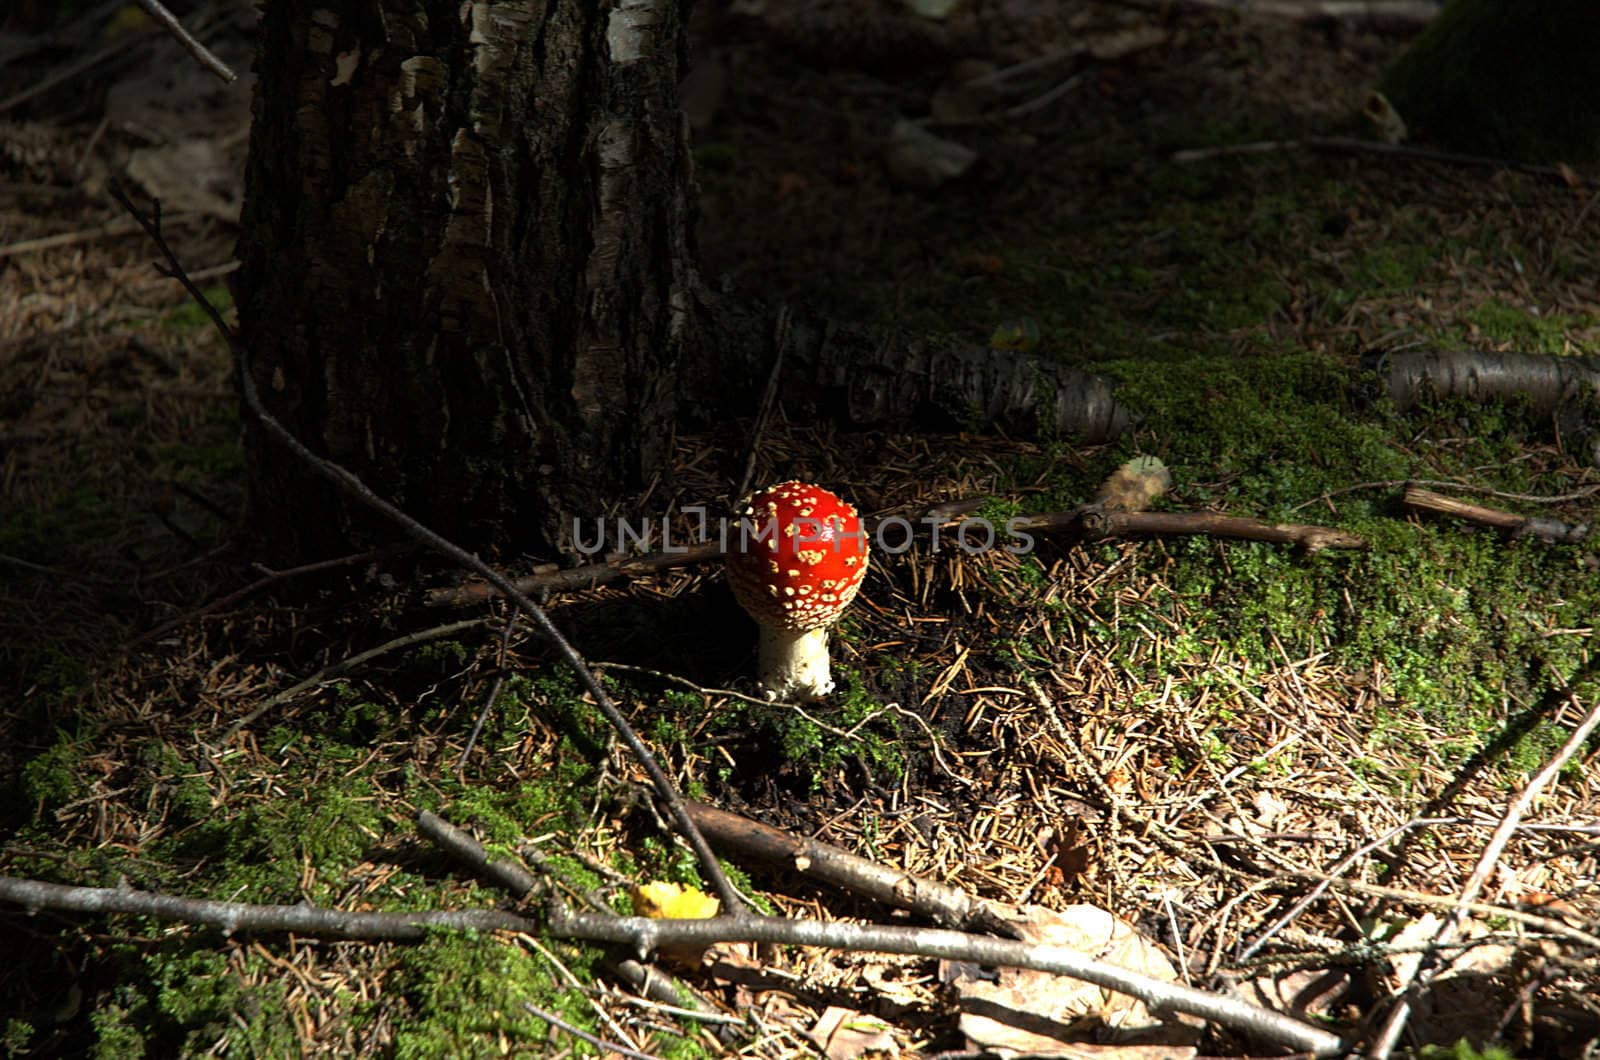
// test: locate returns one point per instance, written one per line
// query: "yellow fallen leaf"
(663, 900)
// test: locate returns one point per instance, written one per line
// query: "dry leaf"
(844, 1034)
(1307, 994)
(1468, 994)
(1133, 486)
(663, 900)
(918, 159)
(1051, 1015)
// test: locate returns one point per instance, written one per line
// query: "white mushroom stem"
(794, 666)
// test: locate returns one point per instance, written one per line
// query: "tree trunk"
(466, 266)
(467, 275)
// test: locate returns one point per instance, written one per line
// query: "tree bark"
(465, 259)
(468, 275)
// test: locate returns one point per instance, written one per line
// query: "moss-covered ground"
(1001, 719)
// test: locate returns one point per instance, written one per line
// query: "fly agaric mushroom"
(798, 559)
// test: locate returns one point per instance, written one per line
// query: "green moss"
(15, 1036)
(58, 776)
(1501, 322)
(466, 994)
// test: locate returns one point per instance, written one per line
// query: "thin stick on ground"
(1351, 146)
(1337, 871)
(494, 693)
(1421, 500)
(1385, 1041)
(344, 666)
(357, 490)
(168, 21)
(645, 936)
(1159, 996)
(222, 603)
(502, 871)
(598, 1042)
(1089, 522)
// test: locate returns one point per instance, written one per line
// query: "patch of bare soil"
(1036, 769)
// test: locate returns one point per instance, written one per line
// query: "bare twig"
(1044, 99)
(1465, 487)
(204, 55)
(1349, 146)
(67, 73)
(222, 603)
(598, 1042)
(344, 666)
(1399, 13)
(1161, 997)
(358, 490)
(1320, 888)
(941, 903)
(516, 880)
(1419, 499)
(646, 935)
(1089, 521)
(230, 917)
(494, 692)
(87, 235)
(1096, 524)
(1386, 1038)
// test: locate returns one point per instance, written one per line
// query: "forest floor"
(1191, 733)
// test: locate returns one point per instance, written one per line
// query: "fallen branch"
(357, 490)
(648, 935)
(230, 917)
(1421, 500)
(939, 902)
(1402, 14)
(203, 55)
(1345, 145)
(645, 936)
(1096, 525)
(1091, 522)
(1451, 484)
(344, 666)
(504, 872)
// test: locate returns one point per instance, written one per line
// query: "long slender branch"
(646, 935)
(202, 54)
(344, 666)
(1159, 996)
(230, 917)
(939, 902)
(1090, 522)
(358, 490)
(1419, 499)
(223, 602)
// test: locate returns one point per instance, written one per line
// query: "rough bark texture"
(871, 377)
(465, 259)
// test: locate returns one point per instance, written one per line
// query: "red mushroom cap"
(797, 556)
